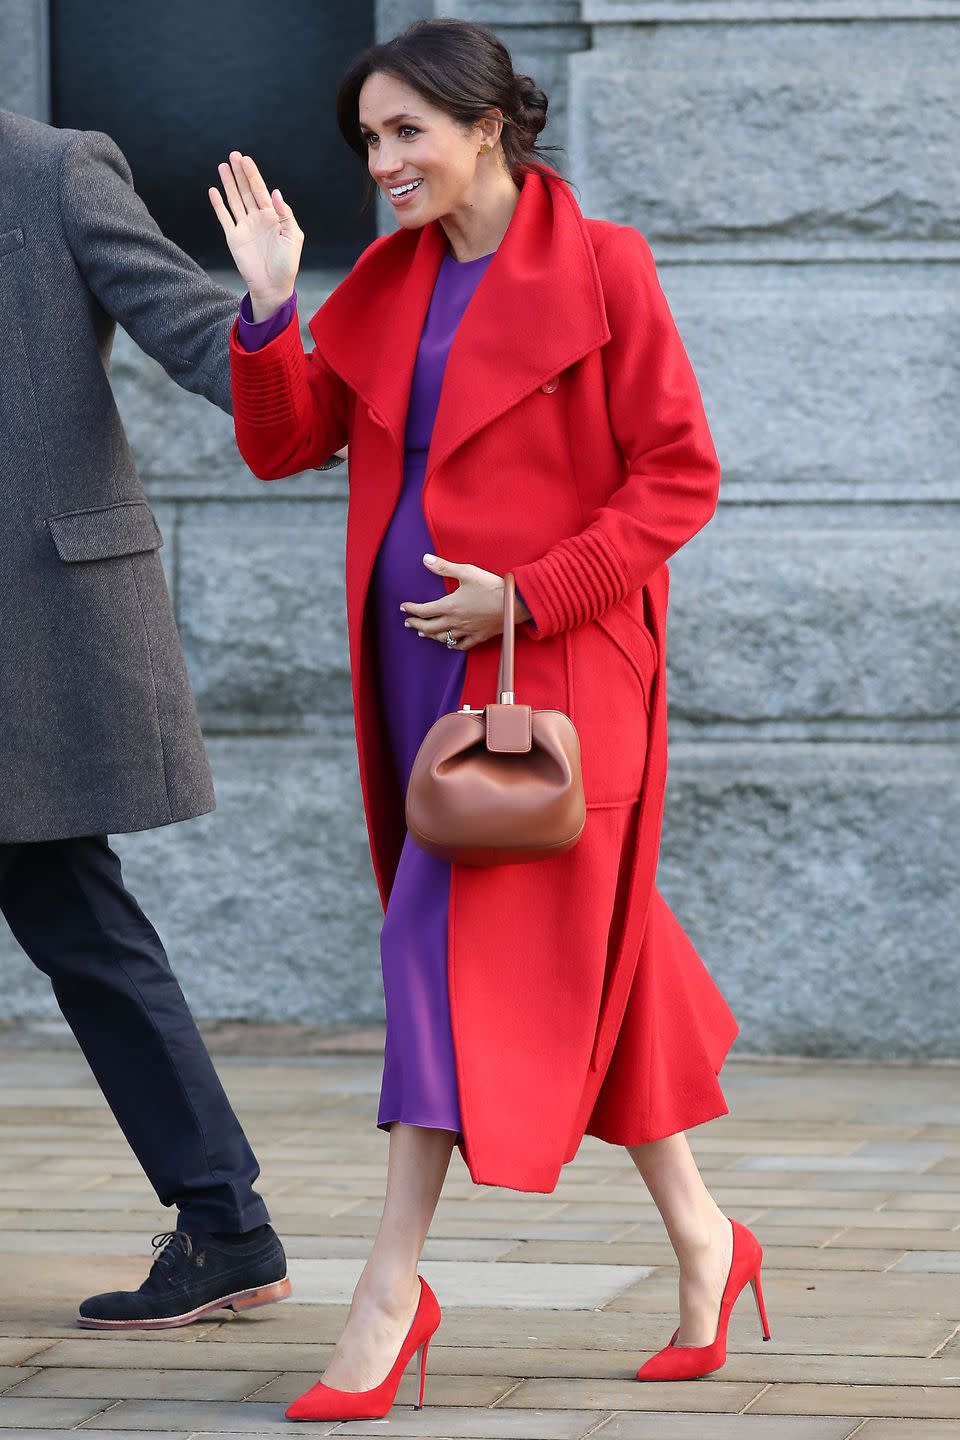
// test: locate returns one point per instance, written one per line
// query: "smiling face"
(412, 142)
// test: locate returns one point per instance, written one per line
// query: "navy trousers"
(68, 907)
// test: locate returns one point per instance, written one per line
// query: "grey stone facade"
(793, 165)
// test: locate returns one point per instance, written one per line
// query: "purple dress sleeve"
(516, 590)
(254, 334)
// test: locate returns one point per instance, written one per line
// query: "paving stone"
(199, 1417)
(72, 1242)
(879, 1219)
(914, 1400)
(499, 1424)
(151, 1384)
(830, 1198)
(923, 1200)
(12, 1375)
(908, 1430)
(780, 1257)
(665, 1426)
(895, 1239)
(473, 1283)
(17, 1352)
(57, 1414)
(941, 1261)
(76, 1199)
(829, 1293)
(717, 1395)
(13, 1433)
(876, 1162)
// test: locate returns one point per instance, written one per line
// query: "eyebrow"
(394, 120)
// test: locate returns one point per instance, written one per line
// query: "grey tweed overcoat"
(98, 728)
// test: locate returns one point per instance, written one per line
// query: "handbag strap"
(505, 694)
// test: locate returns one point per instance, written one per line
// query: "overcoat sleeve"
(146, 283)
(672, 474)
(290, 410)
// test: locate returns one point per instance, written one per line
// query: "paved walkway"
(848, 1172)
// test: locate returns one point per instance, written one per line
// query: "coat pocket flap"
(123, 529)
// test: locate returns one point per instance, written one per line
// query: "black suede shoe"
(191, 1275)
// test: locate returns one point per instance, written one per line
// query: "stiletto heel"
(323, 1402)
(761, 1308)
(422, 1371)
(688, 1362)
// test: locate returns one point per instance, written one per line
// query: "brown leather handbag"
(501, 785)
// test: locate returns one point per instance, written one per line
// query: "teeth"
(403, 189)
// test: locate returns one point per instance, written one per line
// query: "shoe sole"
(239, 1300)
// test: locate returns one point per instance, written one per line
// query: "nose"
(385, 163)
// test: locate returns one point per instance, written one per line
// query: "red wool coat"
(571, 447)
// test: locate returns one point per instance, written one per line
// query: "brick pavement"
(849, 1172)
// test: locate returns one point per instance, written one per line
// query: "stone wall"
(793, 165)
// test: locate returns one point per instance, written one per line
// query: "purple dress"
(420, 680)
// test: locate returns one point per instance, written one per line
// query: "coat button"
(549, 386)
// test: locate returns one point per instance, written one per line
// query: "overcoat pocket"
(11, 240)
(635, 641)
(125, 528)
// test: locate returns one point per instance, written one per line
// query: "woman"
(527, 1004)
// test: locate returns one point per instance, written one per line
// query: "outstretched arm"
(161, 297)
(290, 409)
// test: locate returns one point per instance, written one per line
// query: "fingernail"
(430, 559)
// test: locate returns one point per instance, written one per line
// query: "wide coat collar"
(537, 309)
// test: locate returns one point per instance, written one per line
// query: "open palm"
(262, 233)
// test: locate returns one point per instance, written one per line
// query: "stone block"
(824, 382)
(817, 883)
(824, 628)
(728, 131)
(262, 613)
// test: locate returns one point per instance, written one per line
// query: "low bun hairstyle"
(462, 68)
(531, 109)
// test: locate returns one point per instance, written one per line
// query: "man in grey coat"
(98, 728)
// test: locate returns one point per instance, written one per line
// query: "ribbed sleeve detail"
(573, 583)
(266, 381)
(289, 408)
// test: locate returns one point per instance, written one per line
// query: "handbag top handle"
(505, 693)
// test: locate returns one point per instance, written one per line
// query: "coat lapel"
(537, 309)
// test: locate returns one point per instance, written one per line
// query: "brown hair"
(463, 69)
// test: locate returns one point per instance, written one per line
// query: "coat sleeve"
(290, 410)
(146, 283)
(672, 475)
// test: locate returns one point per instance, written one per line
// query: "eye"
(370, 135)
